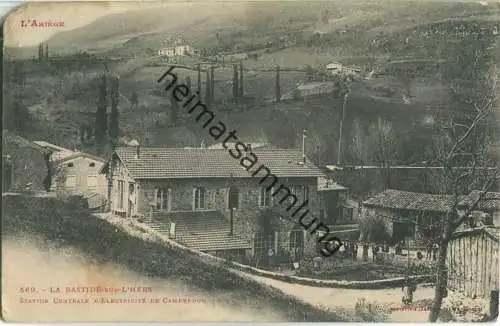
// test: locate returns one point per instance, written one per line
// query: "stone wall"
(79, 176)
(246, 215)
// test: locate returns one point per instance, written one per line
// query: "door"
(233, 198)
(131, 201)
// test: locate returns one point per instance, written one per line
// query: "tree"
(212, 83)
(17, 118)
(236, 88)
(83, 138)
(199, 79)
(384, 148)
(464, 158)
(134, 101)
(277, 89)
(101, 113)
(373, 229)
(241, 79)
(358, 146)
(208, 89)
(114, 127)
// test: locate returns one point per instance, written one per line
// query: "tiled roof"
(490, 200)
(398, 199)
(163, 163)
(491, 231)
(81, 154)
(325, 184)
(204, 231)
(10, 137)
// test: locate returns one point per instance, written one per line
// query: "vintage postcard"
(251, 161)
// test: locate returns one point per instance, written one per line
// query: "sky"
(73, 14)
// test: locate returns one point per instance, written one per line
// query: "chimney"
(249, 146)
(135, 143)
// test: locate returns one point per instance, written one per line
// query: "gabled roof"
(51, 146)
(8, 136)
(324, 184)
(175, 163)
(491, 231)
(489, 202)
(231, 145)
(399, 199)
(81, 154)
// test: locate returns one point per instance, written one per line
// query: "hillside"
(53, 224)
(417, 50)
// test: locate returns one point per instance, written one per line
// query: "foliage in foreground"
(371, 311)
(60, 223)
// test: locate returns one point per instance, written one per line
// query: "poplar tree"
(212, 82)
(101, 113)
(241, 78)
(277, 87)
(236, 88)
(174, 108)
(208, 90)
(114, 127)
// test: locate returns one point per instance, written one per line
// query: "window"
(163, 199)
(297, 244)
(121, 193)
(305, 193)
(91, 164)
(92, 182)
(265, 197)
(70, 165)
(199, 198)
(262, 243)
(233, 198)
(70, 181)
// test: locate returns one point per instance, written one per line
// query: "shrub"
(371, 311)
(373, 229)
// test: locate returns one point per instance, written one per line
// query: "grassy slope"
(64, 225)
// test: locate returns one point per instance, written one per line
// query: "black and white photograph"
(251, 161)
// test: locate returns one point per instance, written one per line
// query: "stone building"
(188, 192)
(420, 216)
(25, 164)
(406, 214)
(78, 174)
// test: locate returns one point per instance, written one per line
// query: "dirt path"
(346, 298)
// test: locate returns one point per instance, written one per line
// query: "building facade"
(415, 216)
(196, 187)
(78, 174)
(179, 50)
